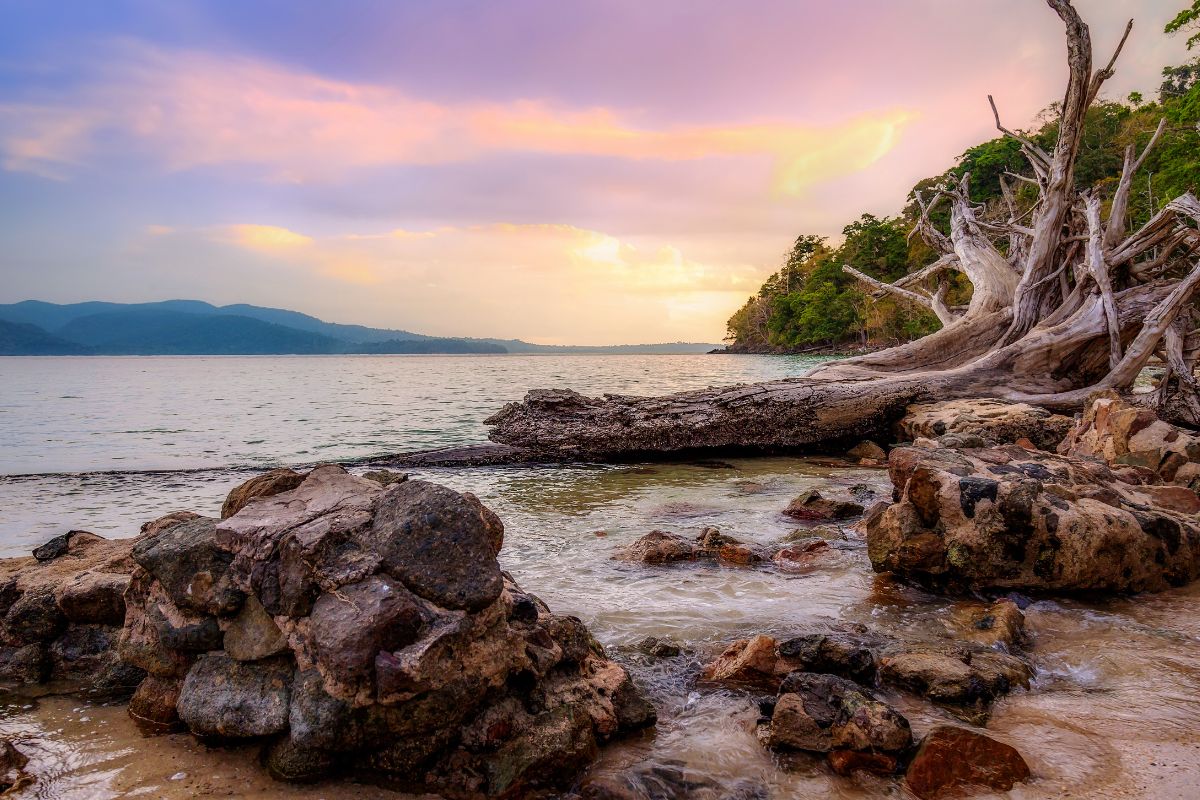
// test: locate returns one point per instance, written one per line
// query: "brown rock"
(252, 635)
(94, 597)
(868, 450)
(12, 768)
(813, 507)
(951, 759)
(659, 547)
(268, 484)
(157, 526)
(991, 421)
(847, 762)
(152, 707)
(746, 662)
(802, 556)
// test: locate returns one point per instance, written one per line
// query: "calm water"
(1115, 711)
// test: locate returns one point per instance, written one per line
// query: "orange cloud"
(193, 109)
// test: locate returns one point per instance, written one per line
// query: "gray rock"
(252, 635)
(35, 617)
(236, 699)
(24, 664)
(191, 567)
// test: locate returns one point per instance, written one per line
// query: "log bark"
(1072, 305)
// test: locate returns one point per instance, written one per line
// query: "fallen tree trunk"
(1067, 306)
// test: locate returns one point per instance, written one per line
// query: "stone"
(811, 506)
(157, 526)
(268, 484)
(12, 768)
(54, 548)
(252, 634)
(989, 422)
(803, 556)
(951, 759)
(34, 617)
(961, 676)
(998, 623)
(1117, 432)
(438, 544)
(226, 698)
(191, 567)
(286, 761)
(153, 705)
(659, 547)
(846, 655)
(867, 450)
(384, 477)
(83, 651)
(751, 663)
(1008, 518)
(658, 648)
(821, 713)
(25, 663)
(848, 762)
(94, 597)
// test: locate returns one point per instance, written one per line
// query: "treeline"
(811, 302)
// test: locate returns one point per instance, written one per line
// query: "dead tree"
(1065, 301)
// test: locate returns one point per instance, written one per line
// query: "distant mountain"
(194, 327)
(22, 339)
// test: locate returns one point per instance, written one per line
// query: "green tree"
(1187, 20)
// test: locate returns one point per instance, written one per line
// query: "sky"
(561, 171)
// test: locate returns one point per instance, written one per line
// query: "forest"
(814, 303)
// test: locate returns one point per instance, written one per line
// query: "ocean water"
(105, 444)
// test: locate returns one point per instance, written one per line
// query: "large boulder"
(266, 485)
(368, 626)
(951, 760)
(1008, 517)
(992, 421)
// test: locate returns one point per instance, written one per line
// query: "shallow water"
(1114, 712)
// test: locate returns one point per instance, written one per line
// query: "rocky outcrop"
(982, 422)
(1008, 517)
(1134, 441)
(61, 612)
(950, 760)
(359, 626)
(12, 768)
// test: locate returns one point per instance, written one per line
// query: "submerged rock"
(661, 547)
(12, 767)
(977, 423)
(369, 627)
(951, 759)
(811, 506)
(1009, 518)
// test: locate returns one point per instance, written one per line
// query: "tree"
(1187, 20)
(1068, 298)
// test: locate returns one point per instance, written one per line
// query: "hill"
(194, 327)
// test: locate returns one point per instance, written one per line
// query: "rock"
(751, 663)
(959, 676)
(951, 759)
(847, 762)
(94, 597)
(25, 664)
(252, 635)
(54, 548)
(83, 651)
(233, 699)
(1118, 432)
(266, 485)
(661, 547)
(658, 648)
(153, 705)
(191, 567)
(812, 506)
(867, 450)
(1008, 518)
(802, 556)
(1000, 622)
(12, 768)
(846, 655)
(992, 422)
(385, 477)
(34, 617)
(374, 630)
(157, 526)
(821, 713)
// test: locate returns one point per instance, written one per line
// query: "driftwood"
(1065, 301)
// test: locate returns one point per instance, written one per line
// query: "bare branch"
(1100, 77)
(1118, 216)
(1099, 270)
